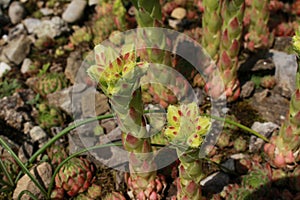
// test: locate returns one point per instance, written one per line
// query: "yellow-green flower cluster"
(186, 126)
(112, 67)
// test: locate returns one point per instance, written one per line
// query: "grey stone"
(16, 31)
(37, 134)
(264, 64)
(271, 107)
(109, 125)
(74, 11)
(31, 24)
(62, 99)
(94, 104)
(82, 137)
(44, 173)
(27, 127)
(51, 28)
(16, 12)
(16, 50)
(93, 2)
(46, 11)
(266, 129)
(285, 73)
(13, 109)
(229, 164)
(4, 68)
(26, 65)
(25, 152)
(247, 89)
(73, 64)
(111, 156)
(261, 96)
(215, 182)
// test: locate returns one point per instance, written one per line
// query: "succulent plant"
(56, 154)
(49, 83)
(119, 76)
(255, 184)
(147, 12)
(114, 196)
(212, 24)
(80, 35)
(268, 82)
(75, 176)
(283, 148)
(185, 130)
(49, 116)
(232, 14)
(58, 194)
(258, 177)
(240, 144)
(163, 90)
(158, 94)
(222, 31)
(223, 140)
(256, 20)
(93, 192)
(109, 17)
(234, 191)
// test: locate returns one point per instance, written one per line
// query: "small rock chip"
(31, 24)
(215, 182)
(286, 68)
(4, 68)
(25, 68)
(73, 64)
(16, 12)
(25, 152)
(262, 95)
(42, 172)
(178, 13)
(266, 129)
(93, 2)
(247, 89)
(51, 28)
(17, 49)
(74, 11)
(37, 134)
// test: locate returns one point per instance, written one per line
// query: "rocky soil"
(42, 41)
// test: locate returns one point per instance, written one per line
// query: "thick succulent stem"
(232, 15)
(186, 129)
(190, 175)
(119, 78)
(283, 149)
(109, 17)
(256, 18)
(222, 27)
(212, 23)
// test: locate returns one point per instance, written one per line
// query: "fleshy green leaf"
(153, 7)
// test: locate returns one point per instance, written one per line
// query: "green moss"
(256, 80)
(8, 87)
